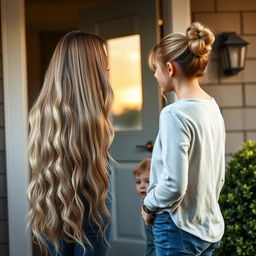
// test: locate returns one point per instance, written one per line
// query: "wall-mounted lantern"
(232, 52)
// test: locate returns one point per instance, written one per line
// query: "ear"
(170, 68)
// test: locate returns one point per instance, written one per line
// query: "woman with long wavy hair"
(70, 135)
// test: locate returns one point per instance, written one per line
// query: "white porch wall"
(236, 94)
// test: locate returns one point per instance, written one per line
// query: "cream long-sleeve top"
(188, 167)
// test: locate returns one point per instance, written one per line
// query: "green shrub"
(238, 204)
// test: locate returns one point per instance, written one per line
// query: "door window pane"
(125, 78)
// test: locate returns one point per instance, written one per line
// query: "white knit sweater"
(188, 167)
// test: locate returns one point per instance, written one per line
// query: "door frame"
(16, 111)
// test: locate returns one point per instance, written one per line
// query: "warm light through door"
(125, 78)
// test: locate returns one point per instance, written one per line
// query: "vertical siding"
(3, 194)
(236, 95)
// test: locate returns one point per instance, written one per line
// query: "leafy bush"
(238, 204)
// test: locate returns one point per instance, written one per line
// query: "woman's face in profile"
(162, 77)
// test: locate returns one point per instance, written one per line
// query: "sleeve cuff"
(149, 206)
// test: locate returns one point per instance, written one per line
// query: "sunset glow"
(125, 73)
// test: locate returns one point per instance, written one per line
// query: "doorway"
(15, 162)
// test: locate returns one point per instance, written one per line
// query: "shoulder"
(173, 111)
(173, 119)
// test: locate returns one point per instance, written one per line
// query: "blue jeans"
(173, 241)
(99, 246)
(150, 246)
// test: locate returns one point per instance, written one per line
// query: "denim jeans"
(99, 246)
(150, 246)
(173, 241)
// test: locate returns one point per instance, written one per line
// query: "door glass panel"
(125, 78)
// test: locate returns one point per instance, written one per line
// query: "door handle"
(148, 146)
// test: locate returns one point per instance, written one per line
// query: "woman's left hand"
(148, 218)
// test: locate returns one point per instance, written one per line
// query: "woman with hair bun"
(188, 161)
(70, 135)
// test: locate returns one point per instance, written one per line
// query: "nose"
(142, 185)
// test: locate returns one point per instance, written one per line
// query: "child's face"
(142, 182)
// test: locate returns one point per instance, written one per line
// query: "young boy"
(141, 175)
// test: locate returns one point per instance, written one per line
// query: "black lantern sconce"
(232, 53)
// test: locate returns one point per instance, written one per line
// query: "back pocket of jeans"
(193, 244)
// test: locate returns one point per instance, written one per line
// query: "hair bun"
(199, 39)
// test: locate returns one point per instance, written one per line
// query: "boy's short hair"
(142, 166)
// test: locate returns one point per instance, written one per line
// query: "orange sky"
(125, 72)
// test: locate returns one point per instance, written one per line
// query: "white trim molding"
(176, 15)
(15, 105)
(176, 18)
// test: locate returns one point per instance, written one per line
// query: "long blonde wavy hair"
(70, 135)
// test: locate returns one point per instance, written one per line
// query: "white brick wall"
(251, 49)
(234, 119)
(234, 141)
(248, 75)
(249, 21)
(202, 6)
(240, 119)
(250, 95)
(232, 79)
(236, 95)
(250, 118)
(225, 95)
(251, 136)
(236, 5)
(220, 22)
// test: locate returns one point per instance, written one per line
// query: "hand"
(148, 218)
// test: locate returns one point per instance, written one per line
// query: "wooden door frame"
(15, 110)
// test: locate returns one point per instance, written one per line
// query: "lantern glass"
(237, 57)
(234, 54)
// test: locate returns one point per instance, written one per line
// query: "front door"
(130, 28)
